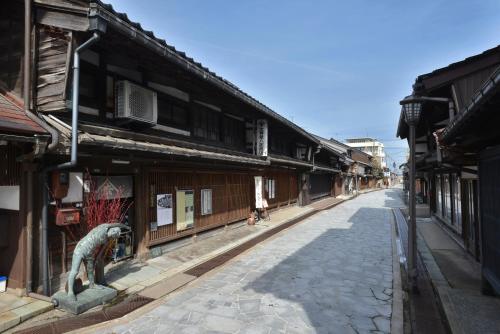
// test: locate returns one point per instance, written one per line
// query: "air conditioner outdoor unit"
(135, 103)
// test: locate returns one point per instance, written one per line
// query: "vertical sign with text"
(258, 192)
(262, 137)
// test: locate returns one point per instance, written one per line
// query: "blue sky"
(336, 68)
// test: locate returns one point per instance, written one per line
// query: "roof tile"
(14, 119)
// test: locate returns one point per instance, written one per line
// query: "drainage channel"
(88, 319)
(135, 301)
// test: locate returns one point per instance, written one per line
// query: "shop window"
(271, 188)
(206, 202)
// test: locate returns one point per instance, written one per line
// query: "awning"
(288, 161)
(326, 169)
(122, 143)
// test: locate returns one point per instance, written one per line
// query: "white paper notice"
(164, 209)
(258, 192)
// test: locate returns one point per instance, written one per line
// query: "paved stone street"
(331, 273)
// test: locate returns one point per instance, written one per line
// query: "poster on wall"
(258, 192)
(185, 209)
(164, 209)
(75, 189)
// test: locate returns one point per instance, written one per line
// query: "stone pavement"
(136, 276)
(15, 309)
(131, 277)
(332, 273)
(456, 278)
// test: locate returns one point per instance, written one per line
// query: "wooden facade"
(209, 137)
(231, 195)
(457, 162)
(13, 236)
(204, 139)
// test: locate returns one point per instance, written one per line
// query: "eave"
(133, 31)
(490, 86)
(122, 141)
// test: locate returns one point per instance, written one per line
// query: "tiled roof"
(14, 119)
(333, 145)
(207, 73)
(467, 60)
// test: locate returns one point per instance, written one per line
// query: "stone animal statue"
(85, 249)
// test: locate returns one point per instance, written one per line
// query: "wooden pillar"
(141, 204)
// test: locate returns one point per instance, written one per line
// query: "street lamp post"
(411, 107)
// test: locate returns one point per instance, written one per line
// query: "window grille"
(206, 202)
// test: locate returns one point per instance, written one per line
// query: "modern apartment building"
(370, 146)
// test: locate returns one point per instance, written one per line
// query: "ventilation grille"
(135, 103)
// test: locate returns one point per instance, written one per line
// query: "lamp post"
(411, 108)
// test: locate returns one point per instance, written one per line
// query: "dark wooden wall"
(338, 185)
(489, 192)
(232, 197)
(11, 46)
(12, 238)
(287, 190)
(320, 185)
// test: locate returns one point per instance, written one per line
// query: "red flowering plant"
(103, 204)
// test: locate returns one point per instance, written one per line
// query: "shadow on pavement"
(339, 282)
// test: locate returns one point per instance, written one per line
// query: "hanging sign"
(262, 134)
(258, 192)
(164, 209)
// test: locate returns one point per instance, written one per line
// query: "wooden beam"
(62, 20)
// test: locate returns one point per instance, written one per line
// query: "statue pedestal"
(85, 300)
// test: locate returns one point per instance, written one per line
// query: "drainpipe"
(73, 161)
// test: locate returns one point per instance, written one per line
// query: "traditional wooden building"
(22, 142)
(362, 169)
(331, 172)
(187, 150)
(457, 142)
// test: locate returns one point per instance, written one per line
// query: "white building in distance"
(370, 146)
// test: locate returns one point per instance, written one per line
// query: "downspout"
(73, 161)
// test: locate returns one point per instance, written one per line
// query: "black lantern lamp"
(412, 107)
